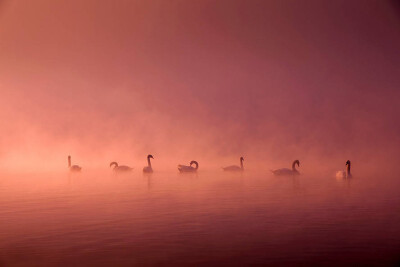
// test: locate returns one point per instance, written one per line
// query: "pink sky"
(205, 80)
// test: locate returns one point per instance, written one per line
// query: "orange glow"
(195, 81)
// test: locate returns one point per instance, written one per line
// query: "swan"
(183, 168)
(286, 171)
(346, 173)
(235, 168)
(121, 168)
(73, 168)
(148, 168)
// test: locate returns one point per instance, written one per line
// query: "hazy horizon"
(209, 81)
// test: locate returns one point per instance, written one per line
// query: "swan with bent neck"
(286, 171)
(148, 168)
(118, 168)
(346, 173)
(190, 168)
(235, 168)
(73, 168)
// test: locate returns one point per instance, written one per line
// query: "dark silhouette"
(286, 171)
(183, 168)
(121, 168)
(235, 168)
(148, 168)
(73, 168)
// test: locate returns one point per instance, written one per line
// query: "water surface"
(198, 219)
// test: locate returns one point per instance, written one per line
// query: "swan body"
(73, 168)
(148, 168)
(190, 168)
(286, 171)
(235, 168)
(346, 173)
(121, 168)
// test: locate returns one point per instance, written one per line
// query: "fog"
(272, 81)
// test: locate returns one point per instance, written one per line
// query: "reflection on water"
(198, 219)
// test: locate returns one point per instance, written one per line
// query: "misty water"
(169, 218)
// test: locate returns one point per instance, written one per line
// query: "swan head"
(195, 163)
(241, 159)
(150, 156)
(348, 162)
(113, 163)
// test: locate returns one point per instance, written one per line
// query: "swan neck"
(69, 162)
(115, 164)
(148, 162)
(348, 169)
(241, 163)
(294, 166)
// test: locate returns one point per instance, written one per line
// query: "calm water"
(205, 219)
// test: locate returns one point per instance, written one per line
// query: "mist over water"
(209, 81)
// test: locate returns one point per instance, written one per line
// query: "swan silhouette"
(235, 168)
(346, 173)
(148, 168)
(286, 171)
(73, 168)
(121, 168)
(183, 168)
